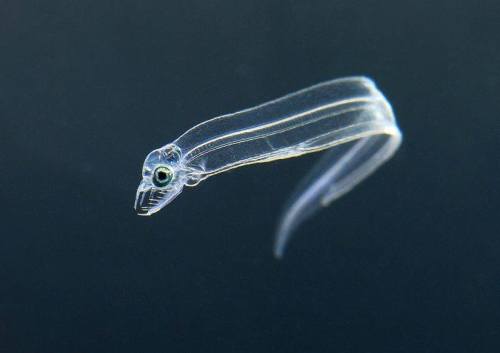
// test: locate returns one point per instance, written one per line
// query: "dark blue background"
(407, 262)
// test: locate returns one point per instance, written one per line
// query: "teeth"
(148, 199)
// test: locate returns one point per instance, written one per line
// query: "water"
(407, 262)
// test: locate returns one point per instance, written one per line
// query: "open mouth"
(150, 199)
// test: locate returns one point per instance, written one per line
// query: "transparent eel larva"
(349, 116)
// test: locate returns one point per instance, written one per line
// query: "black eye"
(162, 176)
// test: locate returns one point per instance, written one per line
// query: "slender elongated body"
(350, 117)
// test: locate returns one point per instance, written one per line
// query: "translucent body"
(349, 116)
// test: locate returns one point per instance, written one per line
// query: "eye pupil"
(162, 176)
